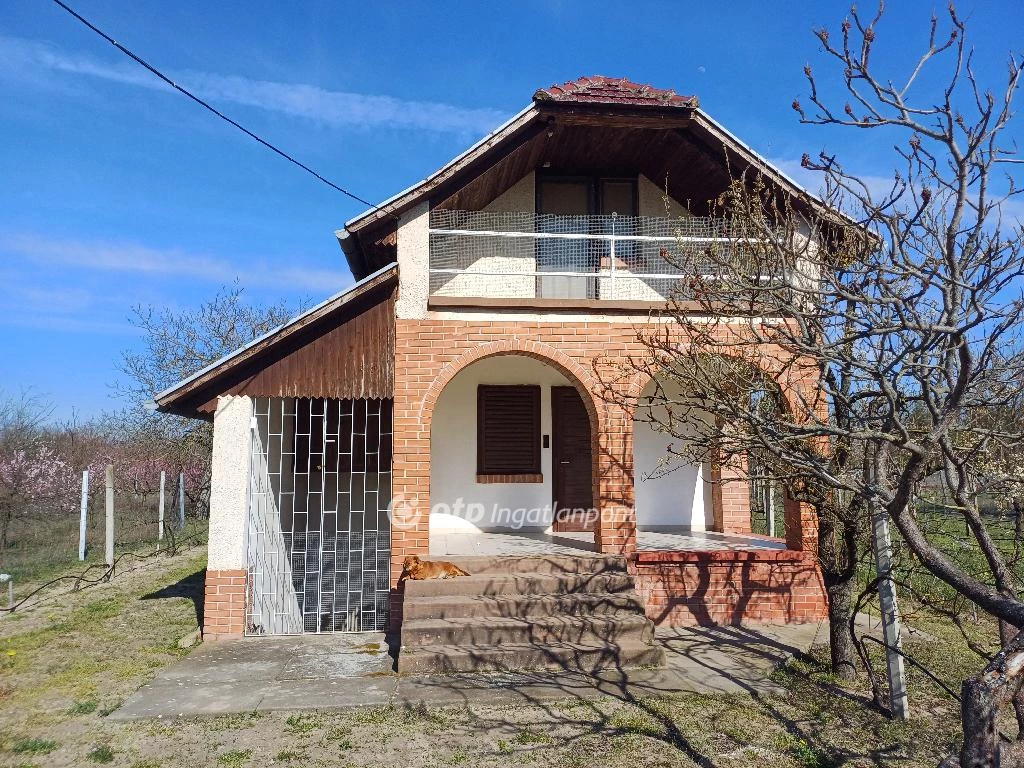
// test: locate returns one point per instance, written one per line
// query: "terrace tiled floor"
(527, 543)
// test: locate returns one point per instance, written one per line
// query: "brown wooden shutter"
(508, 430)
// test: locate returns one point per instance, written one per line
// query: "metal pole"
(110, 517)
(181, 501)
(882, 545)
(160, 521)
(83, 522)
(611, 268)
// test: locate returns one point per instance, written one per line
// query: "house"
(446, 406)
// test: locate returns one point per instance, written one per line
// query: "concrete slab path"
(331, 672)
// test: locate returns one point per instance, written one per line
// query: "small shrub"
(303, 723)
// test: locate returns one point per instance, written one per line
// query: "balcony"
(569, 259)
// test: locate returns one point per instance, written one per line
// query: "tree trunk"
(845, 665)
(982, 697)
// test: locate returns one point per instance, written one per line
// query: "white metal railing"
(527, 255)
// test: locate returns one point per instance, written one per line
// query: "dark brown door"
(571, 462)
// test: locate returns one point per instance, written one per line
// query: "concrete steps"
(517, 613)
(522, 606)
(571, 657)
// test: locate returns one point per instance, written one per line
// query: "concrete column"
(226, 563)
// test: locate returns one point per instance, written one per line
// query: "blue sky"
(118, 191)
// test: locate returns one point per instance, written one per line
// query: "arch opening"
(512, 459)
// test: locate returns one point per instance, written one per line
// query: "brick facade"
(429, 353)
(687, 588)
(224, 604)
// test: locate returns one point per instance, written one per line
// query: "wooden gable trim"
(343, 348)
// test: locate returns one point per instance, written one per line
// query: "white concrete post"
(181, 501)
(109, 550)
(160, 514)
(84, 517)
(229, 483)
(882, 545)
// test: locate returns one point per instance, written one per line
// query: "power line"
(214, 110)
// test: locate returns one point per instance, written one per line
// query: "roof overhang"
(186, 397)
(676, 113)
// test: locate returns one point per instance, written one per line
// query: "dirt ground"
(66, 666)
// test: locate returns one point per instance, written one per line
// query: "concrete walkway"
(327, 672)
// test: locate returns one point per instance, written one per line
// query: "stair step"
(570, 657)
(513, 584)
(502, 631)
(545, 565)
(520, 606)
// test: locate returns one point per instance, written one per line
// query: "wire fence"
(529, 255)
(50, 551)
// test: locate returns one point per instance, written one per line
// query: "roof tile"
(598, 89)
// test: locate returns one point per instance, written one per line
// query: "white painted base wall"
(229, 483)
(476, 506)
(680, 496)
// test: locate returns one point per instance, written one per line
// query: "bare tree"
(849, 357)
(176, 345)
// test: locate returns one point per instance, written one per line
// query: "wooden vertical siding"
(349, 353)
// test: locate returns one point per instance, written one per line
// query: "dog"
(418, 570)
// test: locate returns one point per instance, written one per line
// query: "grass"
(33, 746)
(75, 662)
(101, 754)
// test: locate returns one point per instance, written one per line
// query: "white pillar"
(230, 482)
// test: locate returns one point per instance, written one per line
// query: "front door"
(572, 461)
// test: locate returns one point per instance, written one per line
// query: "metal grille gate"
(318, 535)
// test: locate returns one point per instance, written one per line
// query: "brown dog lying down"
(418, 570)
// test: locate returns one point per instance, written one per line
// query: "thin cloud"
(130, 257)
(332, 108)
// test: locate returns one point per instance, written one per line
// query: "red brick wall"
(224, 604)
(683, 589)
(429, 353)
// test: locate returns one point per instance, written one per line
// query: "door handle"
(565, 461)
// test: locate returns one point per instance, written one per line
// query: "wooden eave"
(295, 351)
(652, 140)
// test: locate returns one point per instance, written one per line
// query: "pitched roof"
(599, 89)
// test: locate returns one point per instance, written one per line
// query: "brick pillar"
(801, 526)
(226, 589)
(410, 485)
(734, 493)
(616, 525)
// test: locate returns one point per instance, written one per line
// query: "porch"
(523, 543)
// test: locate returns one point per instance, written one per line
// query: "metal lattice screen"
(319, 538)
(525, 254)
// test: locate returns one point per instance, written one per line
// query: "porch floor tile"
(525, 543)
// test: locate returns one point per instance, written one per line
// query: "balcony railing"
(524, 255)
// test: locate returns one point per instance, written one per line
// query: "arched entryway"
(512, 454)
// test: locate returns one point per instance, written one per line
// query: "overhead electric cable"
(214, 110)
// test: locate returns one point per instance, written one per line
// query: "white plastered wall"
(453, 452)
(505, 254)
(413, 263)
(680, 497)
(229, 482)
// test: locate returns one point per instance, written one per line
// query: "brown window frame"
(486, 473)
